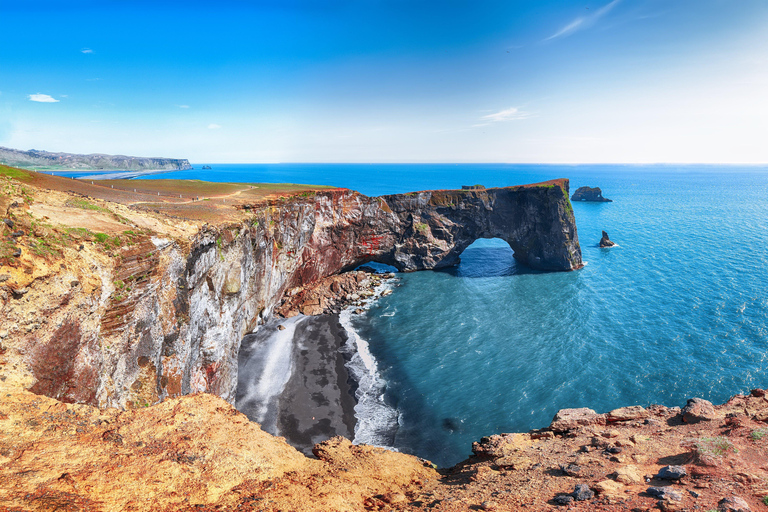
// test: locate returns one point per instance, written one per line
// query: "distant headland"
(43, 160)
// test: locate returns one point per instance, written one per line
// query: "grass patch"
(85, 205)
(14, 173)
(421, 227)
(757, 435)
(709, 449)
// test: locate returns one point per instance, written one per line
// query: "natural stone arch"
(430, 229)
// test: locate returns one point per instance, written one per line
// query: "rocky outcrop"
(590, 194)
(605, 241)
(36, 158)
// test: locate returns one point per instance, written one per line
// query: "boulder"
(733, 504)
(608, 487)
(629, 475)
(672, 473)
(589, 194)
(698, 409)
(664, 493)
(569, 419)
(634, 412)
(570, 469)
(605, 241)
(582, 492)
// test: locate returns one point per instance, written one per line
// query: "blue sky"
(389, 80)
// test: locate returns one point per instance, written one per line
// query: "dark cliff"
(430, 229)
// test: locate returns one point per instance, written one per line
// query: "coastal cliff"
(160, 312)
(111, 299)
(43, 159)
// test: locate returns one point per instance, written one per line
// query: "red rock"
(568, 419)
(698, 410)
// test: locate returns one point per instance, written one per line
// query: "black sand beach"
(316, 401)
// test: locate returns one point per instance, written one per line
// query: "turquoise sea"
(678, 309)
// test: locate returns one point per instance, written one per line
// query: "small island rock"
(605, 241)
(590, 194)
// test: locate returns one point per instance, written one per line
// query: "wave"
(377, 422)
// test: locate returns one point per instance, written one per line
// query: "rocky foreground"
(198, 453)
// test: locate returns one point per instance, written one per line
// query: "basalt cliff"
(119, 331)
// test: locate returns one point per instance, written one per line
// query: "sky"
(540, 81)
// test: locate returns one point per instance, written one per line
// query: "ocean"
(678, 309)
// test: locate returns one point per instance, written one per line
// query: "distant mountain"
(43, 159)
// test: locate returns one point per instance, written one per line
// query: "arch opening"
(488, 257)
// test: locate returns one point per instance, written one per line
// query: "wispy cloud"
(86, 51)
(509, 114)
(42, 98)
(214, 126)
(183, 106)
(583, 22)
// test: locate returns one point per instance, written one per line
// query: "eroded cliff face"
(164, 316)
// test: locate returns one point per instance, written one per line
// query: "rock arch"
(430, 229)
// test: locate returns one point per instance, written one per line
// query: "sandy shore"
(315, 399)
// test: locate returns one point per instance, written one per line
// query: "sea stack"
(594, 195)
(605, 241)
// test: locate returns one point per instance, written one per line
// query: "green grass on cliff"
(16, 174)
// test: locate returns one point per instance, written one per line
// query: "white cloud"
(510, 114)
(86, 50)
(42, 98)
(183, 106)
(583, 22)
(214, 126)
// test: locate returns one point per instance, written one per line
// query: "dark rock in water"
(594, 195)
(563, 499)
(672, 473)
(450, 424)
(582, 492)
(605, 241)
(206, 167)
